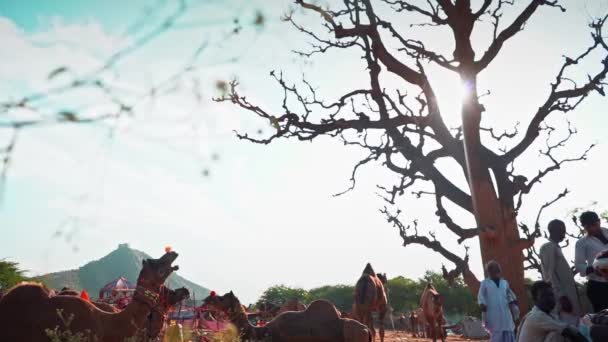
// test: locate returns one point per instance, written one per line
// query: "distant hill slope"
(125, 262)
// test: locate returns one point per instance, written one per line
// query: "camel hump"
(369, 270)
(29, 289)
(322, 308)
(365, 290)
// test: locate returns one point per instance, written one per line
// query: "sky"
(242, 216)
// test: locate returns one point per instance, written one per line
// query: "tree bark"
(499, 236)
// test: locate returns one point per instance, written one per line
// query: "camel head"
(382, 277)
(155, 272)
(177, 295)
(226, 303)
(171, 298)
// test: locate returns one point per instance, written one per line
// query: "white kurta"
(497, 317)
(587, 248)
(538, 326)
(556, 270)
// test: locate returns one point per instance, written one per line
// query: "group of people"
(558, 309)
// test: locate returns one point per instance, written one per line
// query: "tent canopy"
(119, 284)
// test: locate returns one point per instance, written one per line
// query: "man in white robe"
(557, 271)
(540, 325)
(587, 248)
(494, 298)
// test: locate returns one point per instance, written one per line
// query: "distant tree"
(404, 294)
(340, 295)
(279, 294)
(10, 274)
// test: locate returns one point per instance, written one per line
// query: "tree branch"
(556, 164)
(392, 64)
(408, 238)
(6, 154)
(510, 31)
(564, 100)
(463, 233)
(432, 14)
(531, 255)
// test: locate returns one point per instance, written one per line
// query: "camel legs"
(436, 329)
(381, 315)
(441, 331)
(431, 330)
(370, 324)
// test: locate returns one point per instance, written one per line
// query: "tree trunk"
(499, 235)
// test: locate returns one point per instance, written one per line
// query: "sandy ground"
(392, 336)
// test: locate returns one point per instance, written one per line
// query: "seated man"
(539, 325)
(597, 325)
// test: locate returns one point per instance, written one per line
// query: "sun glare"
(466, 90)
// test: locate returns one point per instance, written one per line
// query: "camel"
(268, 310)
(66, 291)
(370, 296)
(431, 303)
(168, 299)
(320, 322)
(33, 300)
(421, 323)
(292, 305)
(156, 319)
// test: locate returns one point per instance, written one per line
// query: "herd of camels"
(29, 311)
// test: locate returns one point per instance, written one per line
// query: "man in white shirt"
(539, 325)
(494, 299)
(556, 270)
(587, 248)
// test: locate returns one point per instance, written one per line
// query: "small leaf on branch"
(56, 72)
(260, 19)
(274, 122)
(68, 116)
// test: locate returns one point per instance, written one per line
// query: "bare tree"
(408, 134)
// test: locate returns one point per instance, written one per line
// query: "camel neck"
(130, 321)
(246, 330)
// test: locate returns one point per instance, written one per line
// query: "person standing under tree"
(555, 270)
(587, 248)
(494, 298)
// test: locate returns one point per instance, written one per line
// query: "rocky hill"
(123, 261)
